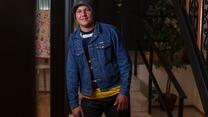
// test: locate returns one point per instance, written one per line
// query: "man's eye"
(88, 10)
(78, 11)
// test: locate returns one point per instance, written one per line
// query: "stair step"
(135, 84)
(140, 114)
(139, 102)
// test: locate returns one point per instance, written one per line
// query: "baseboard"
(201, 112)
(185, 106)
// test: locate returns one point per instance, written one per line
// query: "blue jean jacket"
(110, 62)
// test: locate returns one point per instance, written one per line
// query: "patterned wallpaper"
(42, 41)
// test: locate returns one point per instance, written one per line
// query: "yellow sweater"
(98, 94)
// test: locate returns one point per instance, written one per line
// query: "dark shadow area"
(17, 84)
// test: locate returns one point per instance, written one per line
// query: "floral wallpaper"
(42, 41)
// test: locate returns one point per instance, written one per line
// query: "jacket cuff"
(74, 105)
(124, 92)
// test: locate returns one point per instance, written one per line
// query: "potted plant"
(172, 48)
(164, 29)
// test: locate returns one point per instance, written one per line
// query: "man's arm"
(72, 78)
(125, 68)
(123, 60)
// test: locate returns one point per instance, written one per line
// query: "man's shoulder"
(73, 34)
(107, 25)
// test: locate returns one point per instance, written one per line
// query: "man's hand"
(77, 112)
(122, 102)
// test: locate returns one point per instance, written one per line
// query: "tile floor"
(43, 105)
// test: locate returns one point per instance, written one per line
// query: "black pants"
(96, 107)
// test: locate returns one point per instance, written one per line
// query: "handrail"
(172, 78)
(161, 97)
(164, 63)
(196, 59)
(169, 72)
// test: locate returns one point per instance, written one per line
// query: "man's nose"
(83, 13)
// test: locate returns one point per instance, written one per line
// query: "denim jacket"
(110, 62)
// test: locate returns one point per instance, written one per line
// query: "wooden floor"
(43, 105)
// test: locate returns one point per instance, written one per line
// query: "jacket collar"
(96, 32)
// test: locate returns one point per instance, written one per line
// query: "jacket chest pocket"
(103, 45)
(78, 50)
(104, 51)
(79, 56)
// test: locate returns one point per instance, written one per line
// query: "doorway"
(42, 57)
(126, 15)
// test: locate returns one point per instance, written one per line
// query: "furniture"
(42, 71)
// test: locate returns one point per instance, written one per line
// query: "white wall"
(184, 77)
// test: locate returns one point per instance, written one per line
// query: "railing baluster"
(196, 60)
(135, 62)
(150, 80)
(161, 98)
(180, 108)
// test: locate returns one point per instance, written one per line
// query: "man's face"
(84, 16)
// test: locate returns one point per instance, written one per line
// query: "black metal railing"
(198, 14)
(195, 56)
(204, 32)
(153, 80)
(182, 95)
(149, 65)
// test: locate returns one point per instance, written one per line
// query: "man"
(98, 65)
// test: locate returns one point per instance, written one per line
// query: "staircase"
(139, 103)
